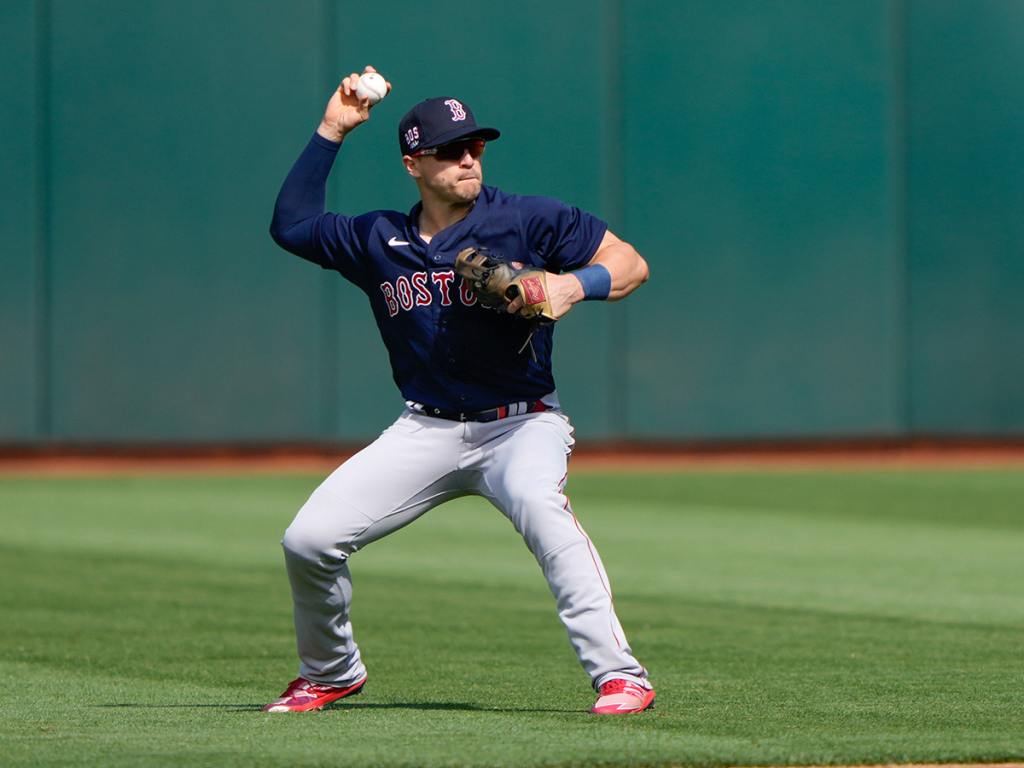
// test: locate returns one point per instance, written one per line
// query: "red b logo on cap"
(458, 111)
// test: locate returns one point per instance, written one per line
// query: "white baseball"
(372, 86)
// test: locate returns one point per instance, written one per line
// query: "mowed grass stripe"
(146, 621)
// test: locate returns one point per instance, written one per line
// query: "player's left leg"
(524, 469)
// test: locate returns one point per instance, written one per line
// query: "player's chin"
(468, 189)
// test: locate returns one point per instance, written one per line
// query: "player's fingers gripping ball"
(497, 283)
(372, 86)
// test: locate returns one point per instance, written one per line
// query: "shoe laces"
(301, 686)
(619, 685)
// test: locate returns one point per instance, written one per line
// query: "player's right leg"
(410, 468)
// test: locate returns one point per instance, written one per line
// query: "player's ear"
(411, 166)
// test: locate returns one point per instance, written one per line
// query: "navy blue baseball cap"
(438, 121)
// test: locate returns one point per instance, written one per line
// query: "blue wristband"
(596, 281)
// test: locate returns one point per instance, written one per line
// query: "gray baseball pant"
(519, 464)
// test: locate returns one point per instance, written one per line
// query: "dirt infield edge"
(588, 456)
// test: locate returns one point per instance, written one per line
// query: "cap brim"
(475, 132)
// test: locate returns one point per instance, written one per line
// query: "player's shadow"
(439, 706)
(134, 705)
(447, 706)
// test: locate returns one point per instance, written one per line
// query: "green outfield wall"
(829, 194)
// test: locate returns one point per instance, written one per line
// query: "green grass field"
(786, 618)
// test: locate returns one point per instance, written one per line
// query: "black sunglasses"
(455, 150)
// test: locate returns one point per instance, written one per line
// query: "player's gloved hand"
(502, 285)
(563, 292)
(345, 111)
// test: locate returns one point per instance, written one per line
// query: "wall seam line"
(330, 372)
(43, 204)
(614, 205)
(901, 210)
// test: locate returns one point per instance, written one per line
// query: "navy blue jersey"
(445, 349)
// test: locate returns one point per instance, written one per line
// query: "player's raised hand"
(346, 108)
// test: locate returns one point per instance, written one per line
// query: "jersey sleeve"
(565, 237)
(301, 225)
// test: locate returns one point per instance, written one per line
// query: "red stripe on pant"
(590, 546)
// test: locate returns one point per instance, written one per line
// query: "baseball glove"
(497, 283)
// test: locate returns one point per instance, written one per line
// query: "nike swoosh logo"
(395, 241)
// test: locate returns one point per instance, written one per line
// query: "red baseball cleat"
(621, 697)
(302, 695)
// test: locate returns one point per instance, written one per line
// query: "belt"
(491, 414)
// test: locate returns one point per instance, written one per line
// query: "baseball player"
(464, 289)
